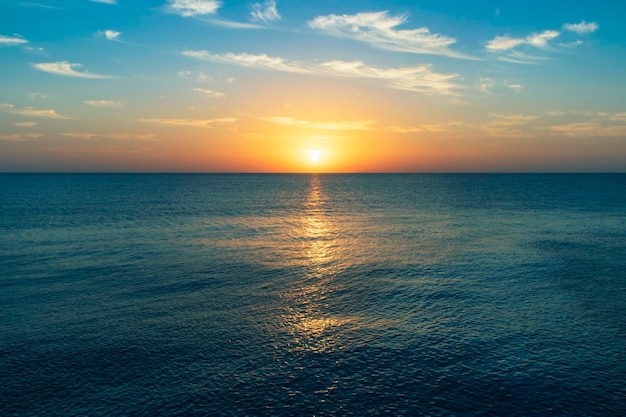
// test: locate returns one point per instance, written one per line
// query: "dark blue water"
(304, 295)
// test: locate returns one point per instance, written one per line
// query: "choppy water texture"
(305, 295)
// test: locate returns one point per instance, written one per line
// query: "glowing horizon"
(233, 86)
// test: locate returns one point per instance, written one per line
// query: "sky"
(312, 86)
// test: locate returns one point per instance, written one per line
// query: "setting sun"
(315, 155)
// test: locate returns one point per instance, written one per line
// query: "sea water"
(312, 295)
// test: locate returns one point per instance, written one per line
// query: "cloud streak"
(341, 126)
(116, 136)
(112, 104)
(206, 123)
(11, 40)
(193, 8)
(512, 49)
(582, 27)
(379, 29)
(266, 12)
(209, 93)
(67, 69)
(420, 78)
(32, 112)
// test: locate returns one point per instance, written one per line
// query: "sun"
(315, 155)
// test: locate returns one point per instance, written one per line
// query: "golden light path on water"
(307, 317)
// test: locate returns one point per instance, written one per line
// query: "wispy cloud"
(31, 112)
(20, 136)
(25, 124)
(192, 8)
(419, 78)
(514, 49)
(111, 35)
(195, 76)
(209, 93)
(582, 27)
(67, 69)
(190, 122)
(205, 10)
(249, 60)
(105, 1)
(505, 43)
(11, 40)
(379, 29)
(112, 104)
(109, 135)
(341, 125)
(265, 12)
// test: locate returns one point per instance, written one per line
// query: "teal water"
(318, 295)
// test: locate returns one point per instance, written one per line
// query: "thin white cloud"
(518, 88)
(379, 29)
(195, 76)
(20, 136)
(419, 78)
(67, 69)
(342, 125)
(112, 104)
(111, 35)
(11, 40)
(190, 122)
(193, 8)
(265, 12)
(590, 129)
(485, 84)
(538, 40)
(105, 1)
(249, 60)
(25, 124)
(209, 93)
(109, 135)
(31, 112)
(582, 27)
(555, 113)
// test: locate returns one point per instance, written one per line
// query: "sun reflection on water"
(308, 319)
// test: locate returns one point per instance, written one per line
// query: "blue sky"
(199, 85)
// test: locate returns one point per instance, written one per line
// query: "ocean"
(312, 295)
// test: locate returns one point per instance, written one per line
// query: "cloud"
(590, 129)
(11, 40)
(105, 1)
(210, 93)
(419, 78)
(111, 35)
(29, 111)
(379, 29)
(510, 49)
(582, 27)
(342, 125)
(484, 84)
(117, 136)
(25, 124)
(67, 69)
(195, 76)
(193, 8)
(265, 12)
(249, 60)
(20, 136)
(505, 43)
(555, 113)
(190, 122)
(112, 104)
